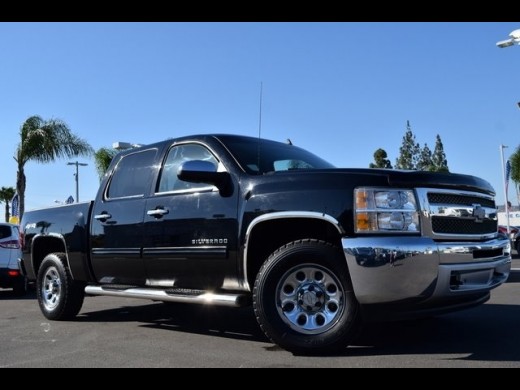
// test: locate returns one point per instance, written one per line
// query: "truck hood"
(444, 180)
(417, 179)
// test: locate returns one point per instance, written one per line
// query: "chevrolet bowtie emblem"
(479, 213)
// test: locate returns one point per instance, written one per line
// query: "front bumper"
(417, 273)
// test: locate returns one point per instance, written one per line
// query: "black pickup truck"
(234, 221)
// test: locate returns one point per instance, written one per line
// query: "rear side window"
(132, 176)
(5, 232)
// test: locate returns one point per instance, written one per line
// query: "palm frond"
(46, 141)
(515, 166)
(6, 194)
(103, 158)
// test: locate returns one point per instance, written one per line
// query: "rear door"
(117, 222)
(191, 229)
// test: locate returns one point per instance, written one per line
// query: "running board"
(181, 296)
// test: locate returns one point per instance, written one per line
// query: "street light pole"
(502, 147)
(77, 164)
(514, 39)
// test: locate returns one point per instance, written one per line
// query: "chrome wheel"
(51, 289)
(310, 299)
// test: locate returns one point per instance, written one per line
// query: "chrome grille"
(454, 215)
(462, 226)
(460, 200)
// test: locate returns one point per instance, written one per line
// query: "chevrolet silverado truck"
(235, 221)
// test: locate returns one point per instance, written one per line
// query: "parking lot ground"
(114, 332)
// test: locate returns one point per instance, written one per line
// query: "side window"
(176, 157)
(132, 175)
(5, 232)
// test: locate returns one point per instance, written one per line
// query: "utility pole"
(76, 175)
(502, 147)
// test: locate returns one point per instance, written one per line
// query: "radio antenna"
(260, 124)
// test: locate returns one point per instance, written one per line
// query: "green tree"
(515, 166)
(44, 141)
(409, 153)
(6, 195)
(103, 158)
(381, 160)
(440, 163)
(425, 162)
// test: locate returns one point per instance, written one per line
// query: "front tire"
(304, 300)
(60, 297)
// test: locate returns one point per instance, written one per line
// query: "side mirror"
(206, 172)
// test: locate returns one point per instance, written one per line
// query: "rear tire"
(60, 297)
(304, 300)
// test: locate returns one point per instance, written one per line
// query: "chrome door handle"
(103, 217)
(157, 213)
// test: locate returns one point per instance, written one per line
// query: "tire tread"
(297, 245)
(74, 291)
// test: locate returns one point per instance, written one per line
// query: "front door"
(191, 230)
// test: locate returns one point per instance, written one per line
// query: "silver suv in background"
(10, 252)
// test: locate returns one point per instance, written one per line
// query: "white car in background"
(10, 252)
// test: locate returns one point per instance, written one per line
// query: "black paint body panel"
(200, 242)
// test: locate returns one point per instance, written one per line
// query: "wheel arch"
(43, 245)
(269, 232)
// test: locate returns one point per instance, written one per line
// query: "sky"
(340, 90)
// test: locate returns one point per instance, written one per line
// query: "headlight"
(386, 211)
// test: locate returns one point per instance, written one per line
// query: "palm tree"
(6, 194)
(44, 141)
(103, 158)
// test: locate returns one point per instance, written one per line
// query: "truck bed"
(66, 224)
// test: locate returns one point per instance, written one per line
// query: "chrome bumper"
(388, 270)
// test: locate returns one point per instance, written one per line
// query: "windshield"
(258, 157)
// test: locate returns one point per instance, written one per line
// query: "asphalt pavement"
(115, 332)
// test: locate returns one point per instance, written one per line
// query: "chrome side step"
(181, 296)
